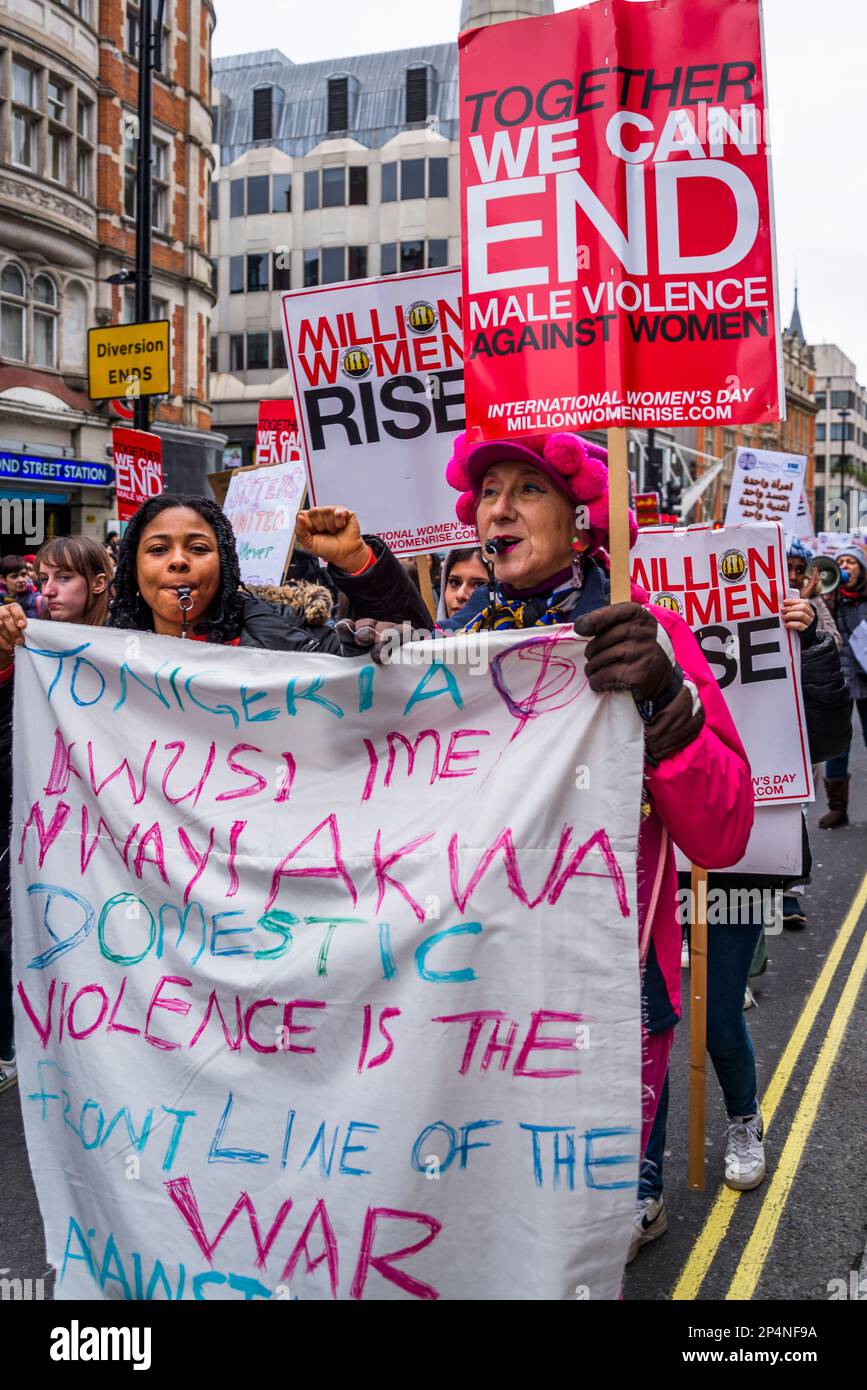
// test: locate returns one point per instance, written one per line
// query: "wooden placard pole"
(426, 584)
(618, 532)
(697, 1027)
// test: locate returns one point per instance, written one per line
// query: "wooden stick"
(618, 520)
(426, 584)
(697, 1027)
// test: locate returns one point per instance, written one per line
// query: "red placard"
(618, 244)
(138, 467)
(277, 437)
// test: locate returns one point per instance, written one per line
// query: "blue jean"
(839, 766)
(730, 950)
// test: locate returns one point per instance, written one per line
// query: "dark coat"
(827, 707)
(848, 614)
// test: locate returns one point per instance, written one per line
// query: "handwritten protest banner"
(262, 505)
(138, 469)
(379, 382)
(728, 585)
(618, 242)
(767, 486)
(321, 992)
(277, 436)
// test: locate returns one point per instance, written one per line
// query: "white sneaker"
(651, 1221)
(684, 956)
(749, 998)
(745, 1152)
(8, 1073)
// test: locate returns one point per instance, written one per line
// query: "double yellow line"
(719, 1218)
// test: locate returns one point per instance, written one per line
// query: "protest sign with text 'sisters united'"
(321, 991)
(262, 504)
(728, 585)
(379, 383)
(618, 253)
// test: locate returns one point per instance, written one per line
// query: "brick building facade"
(68, 98)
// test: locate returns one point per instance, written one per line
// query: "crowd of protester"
(534, 567)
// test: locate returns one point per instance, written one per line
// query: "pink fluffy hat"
(577, 466)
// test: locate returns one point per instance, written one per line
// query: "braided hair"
(223, 621)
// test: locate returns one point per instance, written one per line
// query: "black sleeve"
(280, 629)
(385, 592)
(827, 704)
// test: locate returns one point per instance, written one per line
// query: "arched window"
(44, 321)
(13, 312)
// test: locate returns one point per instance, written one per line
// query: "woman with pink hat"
(541, 510)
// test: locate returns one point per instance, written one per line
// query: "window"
(257, 351)
(820, 434)
(257, 272)
(215, 123)
(333, 188)
(58, 149)
(281, 193)
(84, 119)
(160, 186)
(83, 7)
(159, 308)
(215, 276)
(437, 178)
(262, 110)
(236, 275)
(57, 99)
(358, 185)
(416, 95)
(842, 400)
(132, 29)
(412, 255)
(23, 85)
(281, 275)
(357, 263)
(821, 399)
(44, 321)
(12, 312)
(837, 431)
(412, 178)
(311, 268)
(127, 306)
(24, 140)
(338, 103)
(437, 253)
(214, 354)
(83, 164)
(129, 170)
(333, 264)
(236, 198)
(278, 349)
(389, 183)
(311, 190)
(258, 194)
(388, 258)
(215, 200)
(236, 352)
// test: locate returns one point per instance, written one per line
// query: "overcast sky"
(818, 101)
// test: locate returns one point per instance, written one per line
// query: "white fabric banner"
(728, 585)
(322, 990)
(379, 382)
(766, 486)
(262, 505)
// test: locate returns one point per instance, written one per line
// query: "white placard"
(766, 486)
(262, 505)
(728, 585)
(379, 386)
(321, 991)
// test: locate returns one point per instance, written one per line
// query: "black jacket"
(826, 700)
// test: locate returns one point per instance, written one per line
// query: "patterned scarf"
(543, 611)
